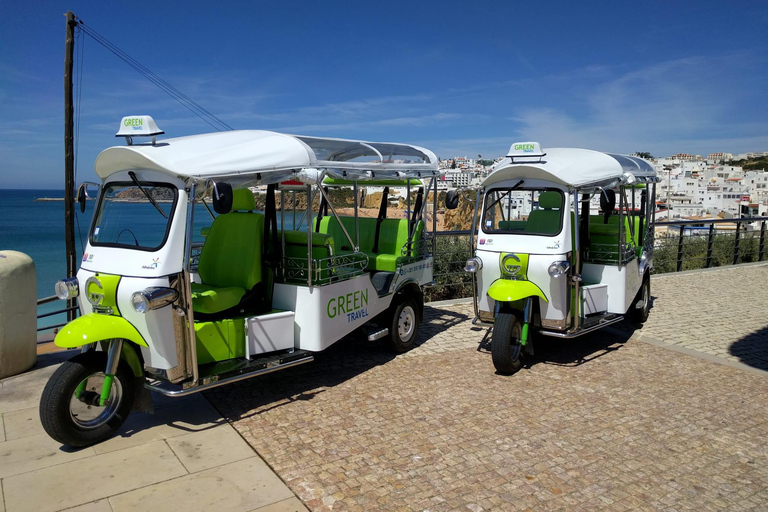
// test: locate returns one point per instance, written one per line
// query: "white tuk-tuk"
(544, 263)
(268, 288)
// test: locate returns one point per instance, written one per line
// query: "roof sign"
(525, 149)
(138, 126)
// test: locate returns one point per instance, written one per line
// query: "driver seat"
(230, 261)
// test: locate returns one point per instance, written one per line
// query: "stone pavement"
(184, 457)
(722, 312)
(602, 422)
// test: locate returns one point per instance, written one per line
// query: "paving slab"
(190, 414)
(22, 423)
(83, 481)
(138, 457)
(210, 448)
(94, 506)
(36, 452)
(238, 487)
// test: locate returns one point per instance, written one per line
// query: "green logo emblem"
(510, 264)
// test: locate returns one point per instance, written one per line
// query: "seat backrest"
(232, 253)
(546, 220)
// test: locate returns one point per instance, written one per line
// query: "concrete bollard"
(18, 313)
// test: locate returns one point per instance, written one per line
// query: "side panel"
(623, 283)
(325, 314)
(156, 326)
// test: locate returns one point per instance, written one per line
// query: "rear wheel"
(505, 342)
(69, 407)
(404, 325)
(640, 314)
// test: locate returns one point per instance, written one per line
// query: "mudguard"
(509, 290)
(94, 327)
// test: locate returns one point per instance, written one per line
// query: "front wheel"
(404, 325)
(505, 343)
(641, 306)
(69, 407)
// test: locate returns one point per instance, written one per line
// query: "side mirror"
(81, 197)
(607, 201)
(222, 198)
(452, 199)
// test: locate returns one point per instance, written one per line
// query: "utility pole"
(69, 156)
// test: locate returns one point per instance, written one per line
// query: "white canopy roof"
(273, 156)
(572, 167)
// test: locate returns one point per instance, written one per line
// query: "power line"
(197, 109)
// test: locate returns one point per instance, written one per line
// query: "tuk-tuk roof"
(572, 167)
(273, 155)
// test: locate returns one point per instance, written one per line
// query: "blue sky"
(461, 78)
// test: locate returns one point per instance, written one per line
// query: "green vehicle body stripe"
(129, 355)
(106, 388)
(108, 290)
(508, 290)
(94, 327)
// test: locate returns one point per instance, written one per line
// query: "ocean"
(36, 228)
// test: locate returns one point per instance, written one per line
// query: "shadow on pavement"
(572, 352)
(752, 349)
(344, 360)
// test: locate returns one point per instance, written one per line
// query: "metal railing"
(694, 244)
(678, 245)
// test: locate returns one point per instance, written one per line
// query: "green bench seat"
(393, 239)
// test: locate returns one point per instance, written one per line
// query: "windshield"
(523, 211)
(127, 218)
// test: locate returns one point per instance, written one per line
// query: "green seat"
(393, 238)
(546, 220)
(230, 260)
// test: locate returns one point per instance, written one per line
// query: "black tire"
(505, 342)
(404, 324)
(639, 316)
(82, 422)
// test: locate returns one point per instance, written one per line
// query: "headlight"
(67, 288)
(558, 269)
(153, 298)
(473, 265)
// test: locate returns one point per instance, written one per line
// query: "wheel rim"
(405, 323)
(89, 416)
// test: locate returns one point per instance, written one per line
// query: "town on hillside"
(692, 187)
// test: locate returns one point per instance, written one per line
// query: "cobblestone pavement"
(722, 312)
(603, 422)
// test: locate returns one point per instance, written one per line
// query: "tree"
(644, 154)
(453, 163)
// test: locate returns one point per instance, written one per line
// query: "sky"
(460, 78)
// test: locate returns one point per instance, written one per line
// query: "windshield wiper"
(151, 200)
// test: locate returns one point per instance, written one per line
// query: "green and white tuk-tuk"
(544, 262)
(271, 284)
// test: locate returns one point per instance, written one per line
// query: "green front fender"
(509, 290)
(93, 327)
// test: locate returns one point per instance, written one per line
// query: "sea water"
(35, 226)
